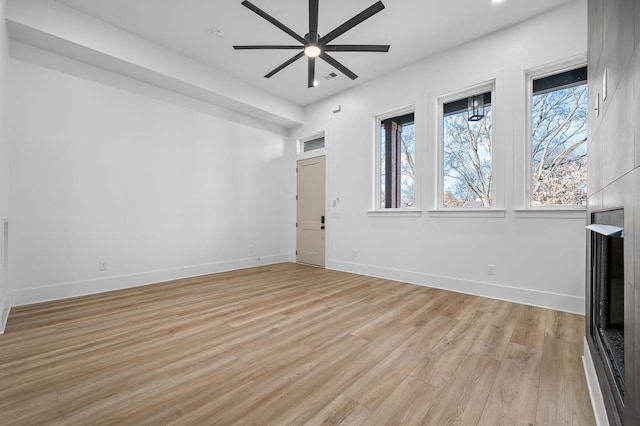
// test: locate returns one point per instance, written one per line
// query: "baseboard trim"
(597, 401)
(559, 302)
(5, 308)
(82, 288)
(496, 291)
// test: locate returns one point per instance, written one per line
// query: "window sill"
(551, 213)
(395, 213)
(463, 212)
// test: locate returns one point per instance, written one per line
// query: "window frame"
(495, 210)
(528, 209)
(377, 201)
(301, 154)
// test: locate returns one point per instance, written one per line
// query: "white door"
(311, 203)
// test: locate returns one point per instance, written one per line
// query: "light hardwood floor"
(291, 344)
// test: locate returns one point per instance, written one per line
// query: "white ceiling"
(415, 29)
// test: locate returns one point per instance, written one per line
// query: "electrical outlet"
(102, 265)
(355, 254)
(491, 269)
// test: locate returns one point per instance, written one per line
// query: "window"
(466, 152)
(559, 139)
(313, 144)
(397, 162)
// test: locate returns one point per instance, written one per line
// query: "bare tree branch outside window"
(559, 147)
(467, 173)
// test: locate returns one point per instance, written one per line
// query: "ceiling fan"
(315, 46)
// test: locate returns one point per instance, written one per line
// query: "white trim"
(5, 308)
(81, 288)
(468, 212)
(302, 155)
(395, 213)
(556, 67)
(475, 89)
(555, 301)
(5, 301)
(551, 213)
(597, 401)
(395, 112)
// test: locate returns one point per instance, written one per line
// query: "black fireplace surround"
(606, 325)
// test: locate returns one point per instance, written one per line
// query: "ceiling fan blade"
(285, 64)
(313, 16)
(357, 48)
(360, 17)
(273, 20)
(267, 46)
(346, 71)
(311, 73)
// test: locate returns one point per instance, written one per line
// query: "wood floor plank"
(565, 326)
(440, 364)
(560, 377)
(460, 306)
(34, 407)
(279, 394)
(340, 411)
(530, 329)
(407, 405)
(290, 344)
(495, 336)
(380, 381)
(437, 300)
(514, 394)
(464, 398)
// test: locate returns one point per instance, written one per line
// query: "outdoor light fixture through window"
(476, 107)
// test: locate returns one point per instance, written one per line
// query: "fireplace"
(607, 298)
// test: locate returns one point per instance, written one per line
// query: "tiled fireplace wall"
(614, 165)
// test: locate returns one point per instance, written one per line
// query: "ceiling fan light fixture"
(313, 46)
(312, 50)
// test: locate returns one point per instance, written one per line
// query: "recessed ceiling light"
(217, 32)
(497, 1)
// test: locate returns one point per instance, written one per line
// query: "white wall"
(4, 164)
(539, 260)
(157, 185)
(58, 28)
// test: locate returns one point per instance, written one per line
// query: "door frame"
(301, 155)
